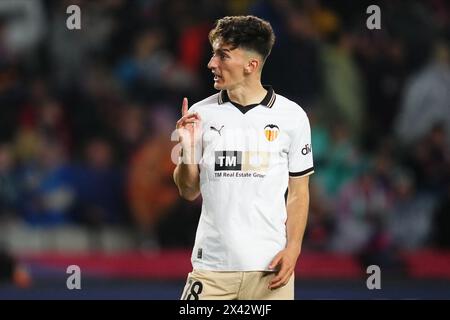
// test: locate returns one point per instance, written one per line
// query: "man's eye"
(220, 55)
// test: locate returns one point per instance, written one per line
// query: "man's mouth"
(216, 77)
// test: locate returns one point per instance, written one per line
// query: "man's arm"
(297, 216)
(297, 211)
(187, 179)
(186, 174)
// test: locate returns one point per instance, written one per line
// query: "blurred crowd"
(86, 115)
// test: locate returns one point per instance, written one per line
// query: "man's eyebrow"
(222, 50)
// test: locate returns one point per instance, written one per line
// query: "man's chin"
(218, 86)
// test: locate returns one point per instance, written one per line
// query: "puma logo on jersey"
(217, 130)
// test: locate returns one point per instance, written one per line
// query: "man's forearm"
(297, 217)
(187, 179)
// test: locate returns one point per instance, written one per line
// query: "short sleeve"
(300, 151)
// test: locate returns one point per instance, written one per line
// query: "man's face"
(227, 65)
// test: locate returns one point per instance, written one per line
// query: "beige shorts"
(224, 285)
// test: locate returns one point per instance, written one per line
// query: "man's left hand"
(284, 262)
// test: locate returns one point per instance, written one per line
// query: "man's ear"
(252, 66)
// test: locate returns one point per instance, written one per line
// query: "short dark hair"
(247, 32)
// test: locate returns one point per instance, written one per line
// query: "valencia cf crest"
(271, 132)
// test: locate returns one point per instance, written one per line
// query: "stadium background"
(85, 123)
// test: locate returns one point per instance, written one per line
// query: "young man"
(241, 149)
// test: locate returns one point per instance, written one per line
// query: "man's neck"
(248, 94)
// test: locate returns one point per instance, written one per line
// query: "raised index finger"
(184, 108)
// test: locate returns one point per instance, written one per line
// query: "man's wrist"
(295, 246)
(188, 155)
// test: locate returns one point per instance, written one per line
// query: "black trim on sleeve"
(301, 173)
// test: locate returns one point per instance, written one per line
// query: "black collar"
(268, 100)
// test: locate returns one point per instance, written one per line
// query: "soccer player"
(241, 148)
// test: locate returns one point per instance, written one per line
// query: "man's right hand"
(187, 176)
(188, 127)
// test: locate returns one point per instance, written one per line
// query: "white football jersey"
(248, 154)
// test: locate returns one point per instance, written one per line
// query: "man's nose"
(212, 63)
